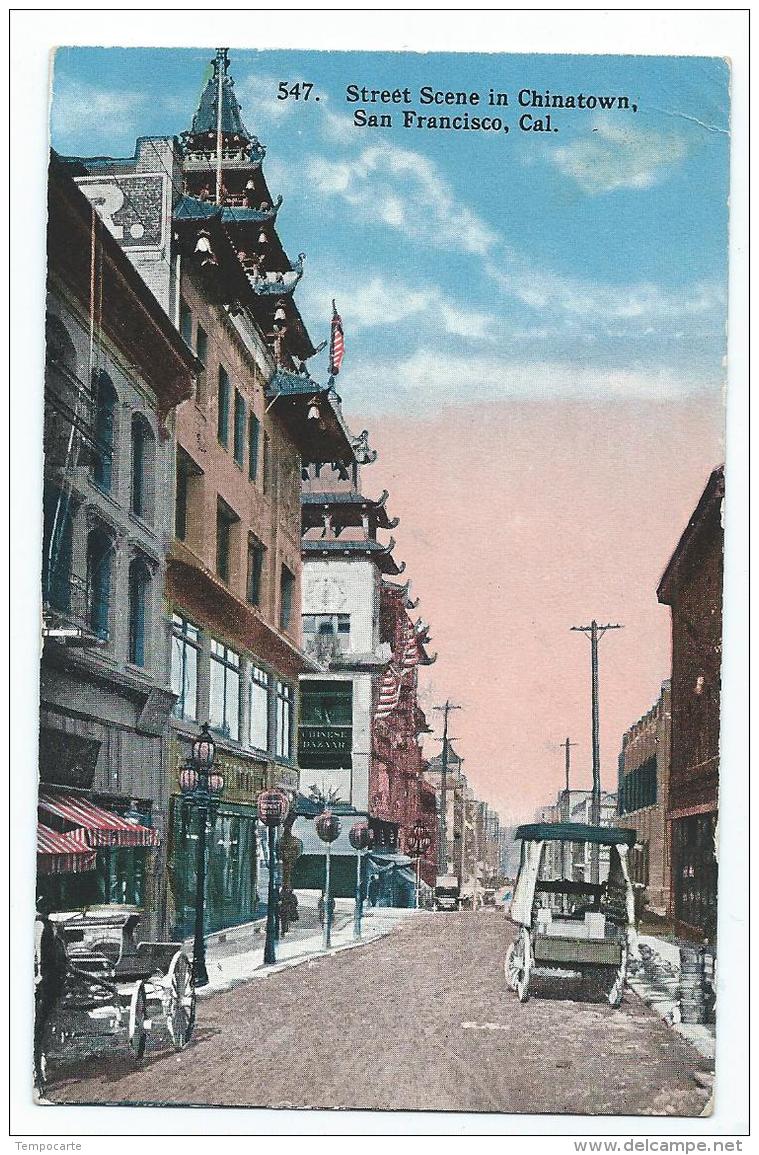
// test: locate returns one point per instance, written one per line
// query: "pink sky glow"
(519, 520)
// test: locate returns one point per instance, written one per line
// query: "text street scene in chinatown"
(381, 579)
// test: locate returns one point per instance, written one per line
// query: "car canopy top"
(575, 832)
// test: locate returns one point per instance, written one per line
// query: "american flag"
(336, 344)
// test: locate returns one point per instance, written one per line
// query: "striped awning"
(102, 827)
(63, 853)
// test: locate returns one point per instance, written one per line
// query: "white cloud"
(407, 192)
(617, 156)
(83, 114)
(429, 379)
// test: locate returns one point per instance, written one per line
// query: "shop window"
(284, 721)
(256, 557)
(239, 430)
(325, 734)
(99, 552)
(139, 588)
(254, 432)
(259, 708)
(104, 431)
(286, 592)
(224, 713)
(222, 419)
(185, 648)
(225, 520)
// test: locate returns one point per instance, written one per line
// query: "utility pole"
(566, 864)
(442, 854)
(595, 632)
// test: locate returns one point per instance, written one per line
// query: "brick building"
(692, 587)
(642, 795)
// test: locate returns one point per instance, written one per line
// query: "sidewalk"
(237, 956)
(660, 990)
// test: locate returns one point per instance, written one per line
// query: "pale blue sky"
(471, 265)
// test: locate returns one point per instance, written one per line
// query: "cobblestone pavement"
(419, 1020)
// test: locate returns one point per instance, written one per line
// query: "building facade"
(692, 587)
(642, 796)
(115, 371)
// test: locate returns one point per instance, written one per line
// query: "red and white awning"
(102, 827)
(63, 853)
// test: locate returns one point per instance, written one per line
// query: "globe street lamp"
(359, 836)
(272, 811)
(328, 828)
(419, 843)
(201, 788)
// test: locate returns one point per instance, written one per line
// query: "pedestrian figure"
(49, 970)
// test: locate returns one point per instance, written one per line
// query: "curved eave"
(370, 549)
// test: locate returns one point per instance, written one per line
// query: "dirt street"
(419, 1020)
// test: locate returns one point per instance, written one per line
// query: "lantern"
(216, 783)
(203, 749)
(359, 836)
(188, 779)
(328, 826)
(272, 807)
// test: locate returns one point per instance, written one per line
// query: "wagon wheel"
(518, 964)
(617, 989)
(180, 1012)
(137, 1016)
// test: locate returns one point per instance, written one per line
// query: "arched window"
(104, 430)
(99, 551)
(143, 464)
(139, 587)
(67, 407)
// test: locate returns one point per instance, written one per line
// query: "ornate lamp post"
(201, 787)
(419, 843)
(272, 811)
(359, 836)
(328, 828)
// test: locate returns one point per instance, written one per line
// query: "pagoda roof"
(193, 208)
(292, 396)
(278, 283)
(382, 555)
(408, 602)
(350, 501)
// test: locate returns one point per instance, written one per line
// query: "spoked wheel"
(180, 1011)
(137, 1016)
(518, 964)
(617, 989)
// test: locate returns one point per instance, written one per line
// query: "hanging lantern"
(262, 238)
(328, 826)
(216, 783)
(280, 316)
(313, 410)
(273, 806)
(250, 185)
(360, 835)
(188, 779)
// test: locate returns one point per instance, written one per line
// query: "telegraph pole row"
(595, 632)
(443, 836)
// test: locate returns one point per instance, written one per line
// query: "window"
(105, 411)
(259, 708)
(286, 590)
(98, 581)
(254, 430)
(185, 322)
(185, 647)
(186, 471)
(284, 721)
(239, 442)
(225, 519)
(201, 352)
(224, 711)
(266, 486)
(142, 466)
(326, 634)
(139, 585)
(256, 553)
(325, 734)
(57, 545)
(638, 787)
(222, 426)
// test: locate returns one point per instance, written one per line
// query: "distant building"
(642, 794)
(692, 587)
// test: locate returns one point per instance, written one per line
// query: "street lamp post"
(328, 829)
(272, 811)
(201, 787)
(359, 837)
(419, 843)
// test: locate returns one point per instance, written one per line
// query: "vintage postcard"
(381, 581)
